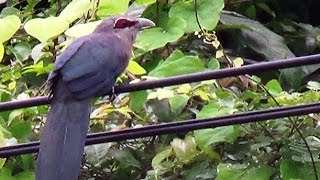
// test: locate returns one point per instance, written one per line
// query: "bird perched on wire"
(89, 67)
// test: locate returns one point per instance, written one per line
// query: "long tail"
(63, 137)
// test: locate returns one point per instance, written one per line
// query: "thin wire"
(176, 127)
(218, 74)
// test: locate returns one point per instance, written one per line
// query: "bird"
(88, 68)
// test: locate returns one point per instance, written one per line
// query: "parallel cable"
(176, 127)
(222, 73)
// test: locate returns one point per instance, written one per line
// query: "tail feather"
(63, 137)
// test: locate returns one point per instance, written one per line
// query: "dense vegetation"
(32, 34)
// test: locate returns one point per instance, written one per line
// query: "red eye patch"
(123, 23)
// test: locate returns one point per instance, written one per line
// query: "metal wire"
(175, 127)
(248, 69)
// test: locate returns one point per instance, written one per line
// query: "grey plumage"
(88, 67)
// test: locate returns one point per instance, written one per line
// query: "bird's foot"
(113, 95)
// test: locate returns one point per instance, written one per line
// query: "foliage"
(33, 34)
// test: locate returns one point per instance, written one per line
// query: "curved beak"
(145, 23)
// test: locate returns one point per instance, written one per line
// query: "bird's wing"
(91, 68)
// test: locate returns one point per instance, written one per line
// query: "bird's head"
(124, 24)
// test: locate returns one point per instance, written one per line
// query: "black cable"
(175, 127)
(222, 73)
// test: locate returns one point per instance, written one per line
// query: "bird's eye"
(124, 23)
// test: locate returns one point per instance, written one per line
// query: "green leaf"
(165, 154)
(185, 10)
(171, 32)
(258, 37)
(1, 51)
(264, 41)
(97, 153)
(214, 64)
(25, 175)
(145, 2)
(39, 51)
(200, 170)
(14, 114)
(21, 51)
(21, 130)
(266, 8)
(125, 158)
(75, 9)
(12, 85)
(9, 25)
(2, 144)
(274, 87)
(138, 100)
(27, 161)
(290, 169)
(5, 173)
(39, 28)
(178, 102)
(185, 150)
(135, 69)
(206, 137)
(38, 68)
(174, 67)
(9, 11)
(215, 109)
(244, 172)
(79, 30)
(112, 7)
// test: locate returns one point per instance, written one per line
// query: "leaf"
(244, 172)
(258, 37)
(21, 51)
(145, 2)
(12, 85)
(138, 100)
(290, 169)
(25, 175)
(184, 65)
(9, 11)
(313, 85)
(125, 158)
(9, 25)
(5, 173)
(79, 30)
(238, 62)
(165, 154)
(37, 52)
(38, 68)
(14, 114)
(171, 32)
(185, 150)
(135, 69)
(38, 27)
(206, 137)
(161, 94)
(264, 41)
(199, 170)
(215, 109)
(214, 64)
(185, 10)
(97, 153)
(75, 9)
(2, 144)
(1, 51)
(21, 130)
(274, 87)
(178, 102)
(112, 7)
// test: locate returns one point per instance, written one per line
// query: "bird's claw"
(112, 95)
